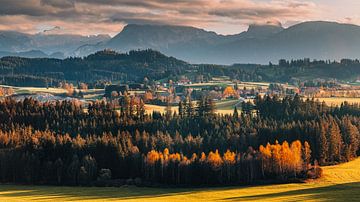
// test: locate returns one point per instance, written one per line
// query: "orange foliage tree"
(279, 161)
(229, 91)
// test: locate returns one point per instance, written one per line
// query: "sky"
(90, 17)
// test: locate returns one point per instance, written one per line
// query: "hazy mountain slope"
(188, 43)
(15, 42)
(316, 40)
(258, 32)
(182, 42)
(29, 54)
(160, 36)
(64, 43)
(260, 44)
(321, 40)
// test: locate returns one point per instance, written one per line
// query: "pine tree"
(335, 142)
(209, 106)
(351, 140)
(190, 107)
(322, 143)
(306, 155)
(181, 109)
(236, 113)
(168, 111)
(201, 107)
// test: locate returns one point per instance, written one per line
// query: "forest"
(108, 65)
(274, 140)
(103, 65)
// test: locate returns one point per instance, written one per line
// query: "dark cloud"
(102, 13)
(165, 4)
(59, 3)
(19, 7)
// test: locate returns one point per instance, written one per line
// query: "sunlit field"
(336, 101)
(339, 183)
(222, 107)
(29, 90)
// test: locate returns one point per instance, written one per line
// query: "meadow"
(221, 107)
(55, 91)
(336, 101)
(339, 183)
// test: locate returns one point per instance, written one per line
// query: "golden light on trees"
(229, 91)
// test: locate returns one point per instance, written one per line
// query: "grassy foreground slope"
(340, 183)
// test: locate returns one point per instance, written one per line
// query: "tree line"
(43, 157)
(110, 66)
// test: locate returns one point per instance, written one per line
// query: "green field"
(55, 91)
(337, 101)
(339, 183)
(222, 107)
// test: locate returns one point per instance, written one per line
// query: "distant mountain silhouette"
(62, 45)
(259, 44)
(28, 54)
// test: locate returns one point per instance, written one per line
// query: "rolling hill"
(106, 64)
(32, 54)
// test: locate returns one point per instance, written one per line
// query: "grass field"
(222, 107)
(340, 183)
(336, 101)
(29, 90)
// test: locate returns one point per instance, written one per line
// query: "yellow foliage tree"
(215, 160)
(297, 156)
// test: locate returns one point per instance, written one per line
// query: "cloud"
(53, 29)
(250, 10)
(18, 7)
(59, 3)
(112, 15)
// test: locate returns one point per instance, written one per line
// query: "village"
(224, 92)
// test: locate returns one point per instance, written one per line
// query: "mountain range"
(259, 44)
(14, 43)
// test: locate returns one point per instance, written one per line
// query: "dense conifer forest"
(275, 139)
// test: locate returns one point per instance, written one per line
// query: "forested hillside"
(104, 65)
(134, 66)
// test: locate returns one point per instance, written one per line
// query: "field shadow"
(338, 192)
(85, 193)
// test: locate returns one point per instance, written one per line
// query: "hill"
(103, 65)
(38, 68)
(340, 183)
(31, 54)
